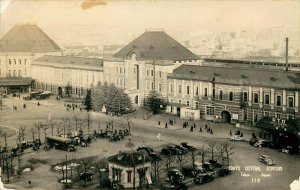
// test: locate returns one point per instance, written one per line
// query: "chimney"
(286, 54)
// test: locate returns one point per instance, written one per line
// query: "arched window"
(20, 62)
(25, 61)
(9, 61)
(15, 61)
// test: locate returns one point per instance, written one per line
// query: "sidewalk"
(220, 130)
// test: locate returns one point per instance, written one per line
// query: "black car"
(190, 171)
(182, 148)
(186, 145)
(224, 172)
(148, 149)
(201, 179)
(166, 151)
(175, 176)
(215, 164)
(174, 150)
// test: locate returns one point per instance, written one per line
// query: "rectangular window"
(210, 110)
(159, 74)
(197, 91)
(290, 102)
(187, 103)
(187, 89)
(205, 92)
(171, 88)
(221, 95)
(152, 85)
(152, 72)
(214, 93)
(147, 72)
(245, 97)
(179, 101)
(159, 87)
(230, 96)
(179, 88)
(120, 69)
(278, 100)
(267, 99)
(196, 105)
(255, 98)
(129, 176)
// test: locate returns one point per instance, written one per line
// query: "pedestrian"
(194, 125)
(205, 126)
(38, 103)
(158, 137)
(192, 128)
(242, 134)
(158, 122)
(166, 126)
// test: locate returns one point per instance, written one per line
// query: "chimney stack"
(286, 54)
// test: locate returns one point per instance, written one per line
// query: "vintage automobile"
(262, 143)
(201, 179)
(266, 160)
(237, 138)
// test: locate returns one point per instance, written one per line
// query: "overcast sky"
(118, 21)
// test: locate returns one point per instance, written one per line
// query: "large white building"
(18, 48)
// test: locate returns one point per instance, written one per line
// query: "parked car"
(252, 141)
(207, 167)
(175, 176)
(147, 149)
(182, 148)
(215, 163)
(237, 138)
(290, 149)
(186, 145)
(190, 171)
(224, 172)
(166, 151)
(174, 150)
(262, 143)
(201, 179)
(266, 160)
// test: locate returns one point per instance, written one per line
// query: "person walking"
(192, 128)
(200, 129)
(166, 126)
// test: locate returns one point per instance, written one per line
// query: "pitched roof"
(239, 76)
(129, 159)
(157, 45)
(69, 60)
(27, 38)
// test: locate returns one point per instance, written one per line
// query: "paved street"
(144, 133)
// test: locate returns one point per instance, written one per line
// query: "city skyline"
(118, 22)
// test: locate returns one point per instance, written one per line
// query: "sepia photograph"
(150, 94)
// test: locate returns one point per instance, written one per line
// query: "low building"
(130, 169)
(66, 75)
(232, 94)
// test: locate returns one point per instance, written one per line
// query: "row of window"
(15, 73)
(58, 76)
(15, 61)
(150, 72)
(120, 70)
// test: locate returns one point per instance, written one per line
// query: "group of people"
(71, 106)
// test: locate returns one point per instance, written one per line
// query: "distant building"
(128, 169)
(18, 47)
(231, 94)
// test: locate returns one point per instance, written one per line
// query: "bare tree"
(33, 134)
(211, 147)
(168, 160)
(76, 119)
(157, 165)
(181, 159)
(203, 152)
(193, 157)
(38, 127)
(220, 149)
(228, 150)
(45, 127)
(67, 125)
(22, 133)
(51, 124)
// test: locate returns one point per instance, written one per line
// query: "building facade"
(233, 94)
(18, 48)
(66, 75)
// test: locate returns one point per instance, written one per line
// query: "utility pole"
(286, 54)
